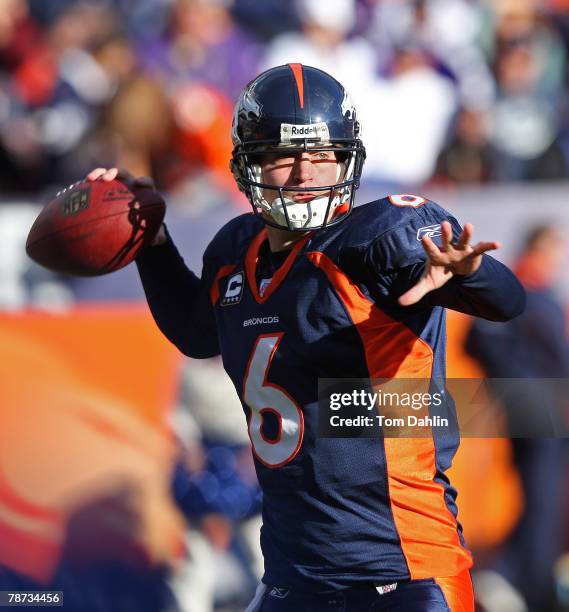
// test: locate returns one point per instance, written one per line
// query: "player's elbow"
(195, 345)
(198, 351)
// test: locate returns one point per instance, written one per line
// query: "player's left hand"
(460, 258)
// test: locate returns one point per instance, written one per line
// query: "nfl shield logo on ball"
(75, 202)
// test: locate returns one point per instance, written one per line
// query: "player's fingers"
(483, 247)
(110, 175)
(431, 249)
(446, 233)
(465, 237)
(96, 173)
(415, 293)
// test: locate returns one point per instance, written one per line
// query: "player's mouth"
(304, 197)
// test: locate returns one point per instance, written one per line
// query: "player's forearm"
(492, 292)
(178, 301)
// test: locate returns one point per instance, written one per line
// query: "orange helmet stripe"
(297, 72)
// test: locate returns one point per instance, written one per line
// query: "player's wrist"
(160, 238)
(466, 269)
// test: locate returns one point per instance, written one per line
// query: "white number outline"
(256, 382)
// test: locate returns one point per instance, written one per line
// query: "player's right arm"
(178, 299)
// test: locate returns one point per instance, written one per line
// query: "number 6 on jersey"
(262, 397)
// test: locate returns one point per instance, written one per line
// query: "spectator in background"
(525, 123)
(63, 63)
(137, 124)
(48, 12)
(446, 31)
(73, 95)
(216, 488)
(324, 42)
(268, 18)
(518, 21)
(202, 59)
(529, 64)
(202, 43)
(53, 89)
(201, 117)
(532, 347)
(467, 157)
(409, 107)
(409, 113)
(20, 41)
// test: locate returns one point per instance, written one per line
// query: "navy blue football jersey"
(337, 512)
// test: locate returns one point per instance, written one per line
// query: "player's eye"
(323, 155)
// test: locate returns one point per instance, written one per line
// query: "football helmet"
(291, 109)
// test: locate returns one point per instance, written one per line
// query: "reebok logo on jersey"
(260, 321)
(386, 588)
(429, 230)
(278, 592)
(233, 291)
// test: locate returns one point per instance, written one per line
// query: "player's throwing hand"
(460, 258)
(133, 183)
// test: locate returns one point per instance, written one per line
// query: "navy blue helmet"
(290, 109)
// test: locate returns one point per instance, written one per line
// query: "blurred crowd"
(215, 486)
(450, 91)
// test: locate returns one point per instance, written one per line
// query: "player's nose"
(303, 168)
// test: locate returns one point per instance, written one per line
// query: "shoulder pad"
(408, 218)
(231, 240)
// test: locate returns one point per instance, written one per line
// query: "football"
(94, 227)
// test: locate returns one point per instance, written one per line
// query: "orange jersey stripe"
(297, 72)
(426, 527)
(458, 592)
(392, 349)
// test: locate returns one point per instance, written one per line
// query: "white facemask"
(303, 215)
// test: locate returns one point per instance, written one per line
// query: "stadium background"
(124, 467)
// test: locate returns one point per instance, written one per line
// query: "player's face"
(307, 169)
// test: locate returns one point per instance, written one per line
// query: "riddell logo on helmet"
(318, 131)
(302, 130)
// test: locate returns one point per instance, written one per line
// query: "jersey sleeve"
(397, 260)
(179, 300)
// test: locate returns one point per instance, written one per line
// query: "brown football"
(94, 227)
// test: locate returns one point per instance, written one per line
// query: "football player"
(306, 288)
